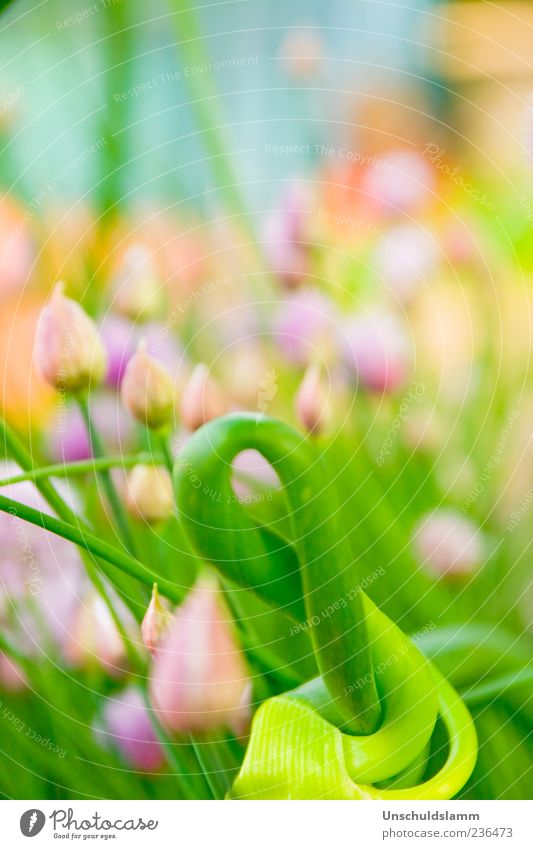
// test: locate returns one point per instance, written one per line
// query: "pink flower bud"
(156, 622)
(149, 494)
(127, 721)
(199, 679)
(201, 400)
(68, 351)
(138, 292)
(147, 390)
(377, 350)
(311, 401)
(448, 544)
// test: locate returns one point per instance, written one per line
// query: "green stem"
(107, 482)
(91, 543)
(18, 452)
(81, 467)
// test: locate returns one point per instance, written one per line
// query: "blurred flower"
(300, 52)
(41, 575)
(448, 544)
(139, 294)
(147, 390)
(405, 258)
(202, 399)
(120, 340)
(199, 679)
(244, 367)
(94, 636)
(377, 350)
(403, 182)
(306, 327)
(127, 720)
(67, 437)
(156, 622)
(68, 351)
(312, 402)
(12, 677)
(284, 236)
(149, 493)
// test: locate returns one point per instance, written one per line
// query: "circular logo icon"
(32, 822)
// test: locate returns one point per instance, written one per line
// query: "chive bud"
(311, 401)
(138, 292)
(199, 680)
(149, 494)
(156, 622)
(68, 351)
(147, 390)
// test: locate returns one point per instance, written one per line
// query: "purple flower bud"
(127, 721)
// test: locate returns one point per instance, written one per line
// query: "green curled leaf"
(312, 575)
(317, 741)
